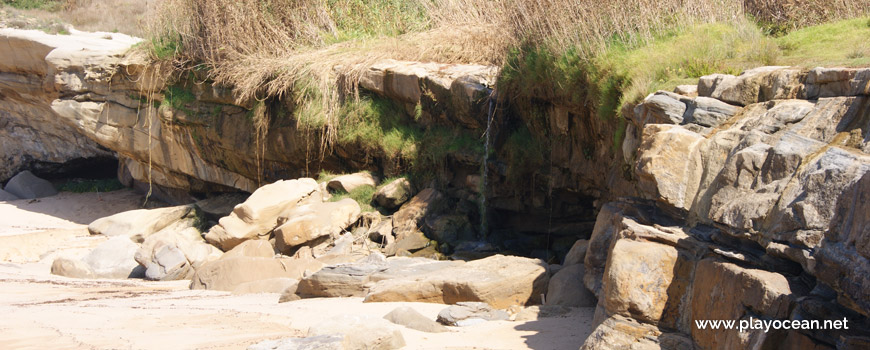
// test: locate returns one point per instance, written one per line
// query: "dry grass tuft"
(297, 49)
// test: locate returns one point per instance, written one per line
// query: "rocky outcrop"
(754, 210)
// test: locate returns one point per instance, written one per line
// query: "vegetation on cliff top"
(601, 56)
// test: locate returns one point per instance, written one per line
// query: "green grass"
(378, 125)
(362, 195)
(842, 43)
(325, 176)
(83, 185)
(355, 19)
(47, 5)
(178, 98)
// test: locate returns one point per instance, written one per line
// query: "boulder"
(25, 185)
(408, 241)
(408, 317)
(6, 196)
(175, 252)
(577, 254)
(566, 288)
(351, 182)
(258, 215)
(321, 342)
(306, 223)
(501, 281)
(361, 332)
(113, 259)
(229, 273)
(138, 224)
(72, 268)
(465, 314)
(272, 285)
(394, 194)
(410, 216)
(355, 279)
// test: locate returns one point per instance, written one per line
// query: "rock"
(25, 185)
(114, 259)
(382, 233)
(724, 291)
(577, 254)
(72, 268)
(307, 223)
(289, 294)
(536, 312)
(394, 194)
(408, 317)
(742, 90)
(321, 342)
(566, 288)
(355, 279)
(138, 224)
(465, 314)
(351, 182)
(501, 281)
(222, 205)
(175, 252)
(638, 278)
(618, 332)
(361, 332)
(448, 228)
(256, 248)
(229, 273)
(6, 196)
(272, 285)
(258, 215)
(410, 216)
(687, 90)
(673, 177)
(408, 241)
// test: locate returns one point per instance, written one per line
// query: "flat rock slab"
(355, 279)
(501, 281)
(470, 313)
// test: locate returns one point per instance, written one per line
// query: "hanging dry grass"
(298, 48)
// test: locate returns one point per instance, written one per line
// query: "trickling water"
(484, 167)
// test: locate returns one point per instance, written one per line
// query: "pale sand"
(42, 311)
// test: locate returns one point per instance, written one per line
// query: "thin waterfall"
(484, 168)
